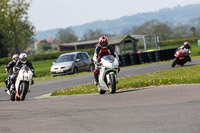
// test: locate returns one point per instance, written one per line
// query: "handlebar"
(98, 63)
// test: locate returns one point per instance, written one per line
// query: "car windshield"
(109, 58)
(65, 58)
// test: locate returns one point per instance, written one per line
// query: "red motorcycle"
(180, 57)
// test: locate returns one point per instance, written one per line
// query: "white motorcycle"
(22, 84)
(109, 69)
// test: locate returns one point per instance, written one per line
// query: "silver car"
(72, 63)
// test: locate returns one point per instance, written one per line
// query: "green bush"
(179, 41)
(45, 56)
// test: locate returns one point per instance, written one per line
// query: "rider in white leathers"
(101, 50)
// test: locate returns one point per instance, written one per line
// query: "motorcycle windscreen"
(109, 58)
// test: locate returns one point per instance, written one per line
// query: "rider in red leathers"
(186, 48)
(101, 50)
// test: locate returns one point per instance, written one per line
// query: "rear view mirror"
(53, 63)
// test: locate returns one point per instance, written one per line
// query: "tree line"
(152, 27)
(16, 31)
(164, 30)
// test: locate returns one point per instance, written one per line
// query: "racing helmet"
(186, 45)
(103, 41)
(23, 57)
(15, 57)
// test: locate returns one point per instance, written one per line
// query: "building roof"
(50, 41)
(111, 40)
(79, 43)
(117, 40)
(141, 36)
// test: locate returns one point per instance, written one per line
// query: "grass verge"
(182, 75)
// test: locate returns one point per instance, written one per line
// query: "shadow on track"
(125, 91)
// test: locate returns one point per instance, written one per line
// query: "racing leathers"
(10, 67)
(98, 54)
(188, 58)
(18, 66)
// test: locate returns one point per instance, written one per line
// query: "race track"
(46, 87)
(164, 109)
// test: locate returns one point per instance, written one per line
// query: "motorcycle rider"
(186, 47)
(102, 49)
(10, 67)
(23, 60)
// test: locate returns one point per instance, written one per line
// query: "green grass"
(42, 68)
(183, 75)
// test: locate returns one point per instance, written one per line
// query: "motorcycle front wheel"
(100, 91)
(112, 86)
(23, 90)
(174, 62)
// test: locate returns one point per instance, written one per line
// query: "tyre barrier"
(158, 56)
(143, 57)
(169, 54)
(172, 52)
(146, 57)
(134, 59)
(151, 56)
(125, 60)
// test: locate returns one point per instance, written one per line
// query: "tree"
(180, 32)
(153, 27)
(15, 27)
(44, 47)
(66, 36)
(92, 35)
(193, 29)
(147, 27)
(162, 30)
(3, 49)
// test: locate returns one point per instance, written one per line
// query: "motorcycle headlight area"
(25, 76)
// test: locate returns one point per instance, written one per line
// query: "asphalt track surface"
(169, 109)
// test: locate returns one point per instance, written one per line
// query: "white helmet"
(23, 57)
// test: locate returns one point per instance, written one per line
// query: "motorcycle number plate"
(25, 78)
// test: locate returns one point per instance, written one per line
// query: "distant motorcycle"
(180, 57)
(22, 84)
(109, 68)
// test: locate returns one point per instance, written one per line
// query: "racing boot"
(32, 82)
(189, 59)
(96, 82)
(6, 85)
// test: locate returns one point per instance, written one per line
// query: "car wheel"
(75, 70)
(91, 69)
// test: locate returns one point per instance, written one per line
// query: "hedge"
(55, 55)
(45, 56)
(179, 41)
